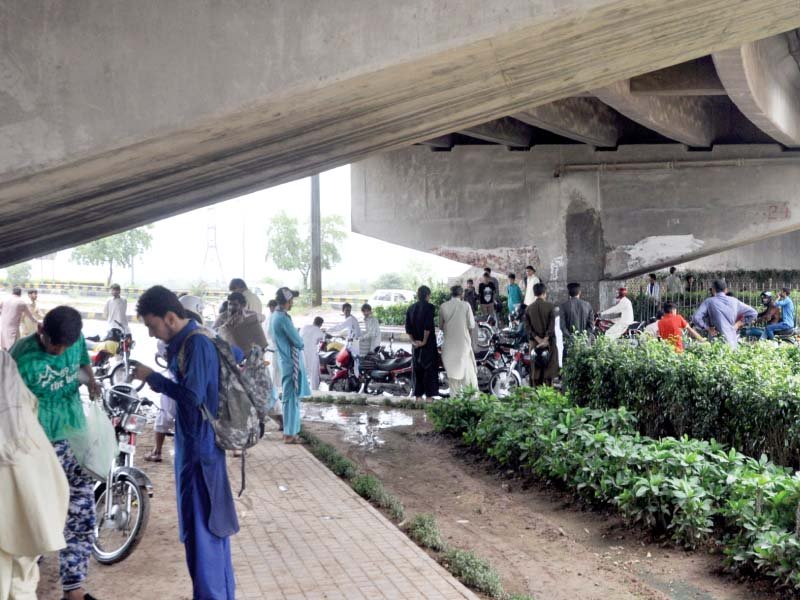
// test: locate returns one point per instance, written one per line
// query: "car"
(391, 297)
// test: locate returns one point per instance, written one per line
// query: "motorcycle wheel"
(344, 384)
(484, 378)
(504, 382)
(485, 334)
(114, 541)
(118, 376)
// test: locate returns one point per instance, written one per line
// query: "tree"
(120, 249)
(391, 281)
(290, 249)
(18, 274)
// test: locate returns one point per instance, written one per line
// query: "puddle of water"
(361, 425)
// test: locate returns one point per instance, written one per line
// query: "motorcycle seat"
(393, 364)
(327, 357)
(378, 374)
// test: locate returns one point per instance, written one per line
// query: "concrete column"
(316, 244)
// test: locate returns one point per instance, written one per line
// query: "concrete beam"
(693, 78)
(763, 79)
(582, 119)
(221, 102)
(443, 142)
(505, 131)
(689, 120)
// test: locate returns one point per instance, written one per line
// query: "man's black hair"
(786, 291)
(423, 293)
(33, 291)
(669, 306)
(720, 285)
(470, 281)
(531, 268)
(456, 291)
(236, 283)
(539, 289)
(63, 325)
(573, 289)
(672, 270)
(158, 301)
(512, 276)
(17, 291)
(366, 306)
(347, 305)
(652, 276)
(318, 321)
(487, 269)
(237, 297)
(272, 303)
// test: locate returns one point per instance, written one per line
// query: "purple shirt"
(721, 312)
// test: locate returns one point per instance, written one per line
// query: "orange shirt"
(670, 328)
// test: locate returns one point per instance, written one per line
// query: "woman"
(34, 493)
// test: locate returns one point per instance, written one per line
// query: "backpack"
(238, 424)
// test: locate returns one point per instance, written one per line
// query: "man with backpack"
(201, 475)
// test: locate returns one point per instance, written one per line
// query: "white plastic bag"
(96, 446)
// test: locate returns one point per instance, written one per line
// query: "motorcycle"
(515, 370)
(122, 500)
(327, 360)
(387, 375)
(123, 366)
(631, 334)
(344, 378)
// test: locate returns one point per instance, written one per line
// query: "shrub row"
(696, 491)
(747, 398)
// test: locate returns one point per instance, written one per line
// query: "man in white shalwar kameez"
(12, 310)
(621, 314)
(372, 331)
(312, 335)
(456, 321)
(351, 330)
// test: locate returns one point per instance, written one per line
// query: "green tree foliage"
(120, 249)
(289, 243)
(18, 274)
(391, 281)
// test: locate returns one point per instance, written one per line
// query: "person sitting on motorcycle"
(786, 323)
(771, 315)
(371, 339)
(621, 314)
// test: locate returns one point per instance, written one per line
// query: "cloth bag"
(95, 446)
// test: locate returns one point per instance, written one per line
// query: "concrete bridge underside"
(114, 114)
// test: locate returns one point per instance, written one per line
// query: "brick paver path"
(304, 535)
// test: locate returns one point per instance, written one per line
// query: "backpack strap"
(182, 363)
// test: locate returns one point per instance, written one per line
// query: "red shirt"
(670, 328)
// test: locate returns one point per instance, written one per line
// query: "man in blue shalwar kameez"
(206, 512)
(290, 354)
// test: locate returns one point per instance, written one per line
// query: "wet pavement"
(361, 425)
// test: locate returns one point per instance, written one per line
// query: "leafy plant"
(18, 274)
(425, 532)
(474, 572)
(370, 488)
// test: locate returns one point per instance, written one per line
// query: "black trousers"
(426, 374)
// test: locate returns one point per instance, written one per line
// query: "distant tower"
(212, 265)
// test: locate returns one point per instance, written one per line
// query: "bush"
(474, 572)
(330, 457)
(370, 488)
(696, 491)
(18, 274)
(747, 398)
(424, 531)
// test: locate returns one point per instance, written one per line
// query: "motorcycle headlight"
(134, 423)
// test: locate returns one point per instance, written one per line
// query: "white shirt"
(351, 330)
(372, 335)
(529, 297)
(117, 310)
(624, 307)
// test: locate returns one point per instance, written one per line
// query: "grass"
(425, 532)
(474, 572)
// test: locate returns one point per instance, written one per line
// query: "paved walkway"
(304, 534)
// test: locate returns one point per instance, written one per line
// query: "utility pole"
(316, 244)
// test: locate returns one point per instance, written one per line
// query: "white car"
(391, 297)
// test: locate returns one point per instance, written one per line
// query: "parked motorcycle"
(515, 371)
(122, 500)
(344, 378)
(386, 375)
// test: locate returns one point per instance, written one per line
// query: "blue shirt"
(722, 312)
(787, 311)
(514, 294)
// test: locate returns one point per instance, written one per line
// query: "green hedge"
(747, 398)
(696, 491)
(396, 314)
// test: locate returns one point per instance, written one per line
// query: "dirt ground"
(537, 538)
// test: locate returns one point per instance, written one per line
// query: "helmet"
(194, 305)
(766, 298)
(541, 357)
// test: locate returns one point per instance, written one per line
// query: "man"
(771, 315)
(621, 314)
(206, 513)
(12, 311)
(672, 325)
(514, 295)
(289, 345)
(575, 315)
(786, 323)
(34, 493)
(691, 286)
(371, 339)
(312, 336)
(530, 280)
(351, 330)
(540, 325)
(49, 363)
(492, 278)
(487, 292)
(653, 287)
(116, 311)
(471, 296)
(28, 326)
(674, 285)
(456, 322)
(252, 301)
(723, 315)
(421, 329)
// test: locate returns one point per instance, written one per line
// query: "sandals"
(152, 457)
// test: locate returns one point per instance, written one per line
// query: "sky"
(179, 255)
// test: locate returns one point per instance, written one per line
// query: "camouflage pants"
(79, 530)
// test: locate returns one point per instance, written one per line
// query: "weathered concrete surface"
(607, 215)
(763, 79)
(585, 120)
(117, 113)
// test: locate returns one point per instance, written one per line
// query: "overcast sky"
(178, 255)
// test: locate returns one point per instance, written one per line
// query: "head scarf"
(17, 408)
